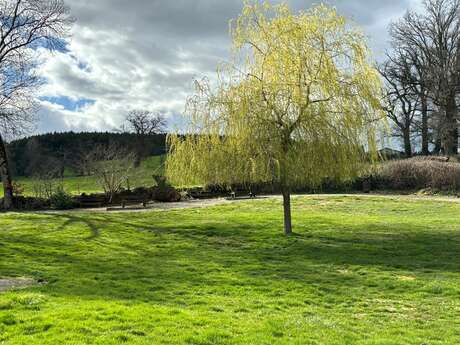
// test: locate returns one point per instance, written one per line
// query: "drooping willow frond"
(299, 103)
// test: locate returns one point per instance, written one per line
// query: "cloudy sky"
(146, 54)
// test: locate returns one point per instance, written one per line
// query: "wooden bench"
(233, 194)
(202, 195)
(134, 200)
(91, 201)
(91, 204)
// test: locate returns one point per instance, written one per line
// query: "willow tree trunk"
(6, 177)
(286, 191)
(287, 212)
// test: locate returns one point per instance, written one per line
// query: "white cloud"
(146, 53)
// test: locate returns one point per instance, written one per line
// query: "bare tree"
(402, 100)
(112, 166)
(144, 123)
(432, 39)
(417, 69)
(25, 25)
(45, 184)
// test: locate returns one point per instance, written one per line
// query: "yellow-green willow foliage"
(299, 103)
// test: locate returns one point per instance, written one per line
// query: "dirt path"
(172, 205)
(198, 203)
(162, 206)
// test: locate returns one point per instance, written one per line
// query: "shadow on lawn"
(384, 245)
(72, 219)
(166, 262)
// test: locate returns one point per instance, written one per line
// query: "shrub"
(112, 166)
(30, 203)
(61, 200)
(44, 186)
(418, 173)
(18, 189)
(163, 191)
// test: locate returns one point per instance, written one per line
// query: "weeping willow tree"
(299, 103)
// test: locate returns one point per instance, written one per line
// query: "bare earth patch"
(16, 283)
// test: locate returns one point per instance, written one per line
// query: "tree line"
(422, 78)
(54, 152)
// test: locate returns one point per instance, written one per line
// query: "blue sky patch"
(68, 103)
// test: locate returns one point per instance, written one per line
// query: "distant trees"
(300, 103)
(25, 25)
(144, 123)
(428, 45)
(71, 150)
(41, 162)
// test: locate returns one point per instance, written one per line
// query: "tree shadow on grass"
(70, 219)
(166, 262)
(366, 244)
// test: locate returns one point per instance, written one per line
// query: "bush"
(18, 189)
(44, 186)
(61, 200)
(30, 203)
(435, 173)
(164, 192)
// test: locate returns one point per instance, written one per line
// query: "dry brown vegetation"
(437, 173)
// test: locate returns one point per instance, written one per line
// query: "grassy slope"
(141, 176)
(359, 271)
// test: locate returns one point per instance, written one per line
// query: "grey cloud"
(146, 53)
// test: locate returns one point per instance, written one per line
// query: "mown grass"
(140, 177)
(360, 270)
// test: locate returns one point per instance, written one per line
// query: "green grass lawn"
(360, 270)
(140, 177)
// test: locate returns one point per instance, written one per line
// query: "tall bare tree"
(433, 37)
(418, 69)
(144, 123)
(25, 25)
(458, 65)
(402, 99)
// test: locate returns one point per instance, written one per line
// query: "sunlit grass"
(360, 270)
(140, 177)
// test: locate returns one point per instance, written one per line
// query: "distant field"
(141, 176)
(360, 270)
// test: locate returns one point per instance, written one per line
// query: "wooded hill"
(64, 151)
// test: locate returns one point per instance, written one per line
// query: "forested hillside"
(60, 152)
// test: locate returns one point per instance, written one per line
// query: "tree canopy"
(299, 102)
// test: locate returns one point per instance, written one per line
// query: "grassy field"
(360, 270)
(141, 176)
